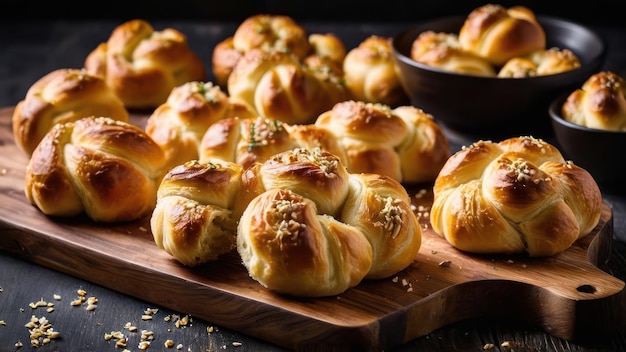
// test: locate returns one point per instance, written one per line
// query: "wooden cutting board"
(567, 295)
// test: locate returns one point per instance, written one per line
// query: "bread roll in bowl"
(540, 63)
(600, 103)
(498, 34)
(370, 73)
(518, 196)
(289, 247)
(61, 96)
(143, 65)
(197, 210)
(110, 170)
(179, 124)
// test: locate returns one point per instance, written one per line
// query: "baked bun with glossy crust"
(279, 86)
(518, 196)
(540, 63)
(179, 124)
(197, 210)
(600, 103)
(371, 74)
(61, 96)
(497, 33)
(142, 65)
(443, 50)
(110, 170)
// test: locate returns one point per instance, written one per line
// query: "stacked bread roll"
(61, 96)
(518, 196)
(600, 103)
(143, 65)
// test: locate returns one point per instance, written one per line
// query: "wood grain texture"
(568, 295)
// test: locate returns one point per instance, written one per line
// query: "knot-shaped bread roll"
(289, 247)
(179, 124)
(142, 65)
(110, 170)
(404, 143)
(197, 210)
(498, 34)
(61, 96)
(301, 197)
(518, 196)
(443, 50)
(600, 103)
(540, 63)
(272, 33)
(371, 74)
(280, 86)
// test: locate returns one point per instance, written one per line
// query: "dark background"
(599, 12)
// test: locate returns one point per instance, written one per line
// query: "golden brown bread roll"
(371, 74)
(179, 124)
(497, 33)
(289, 247)
(518, 196)
(142, 65)
(600, 103)
(197, 210)
(110, 170)
(61, 96)
(443, 50)
(403, 143)
(272, 33)
(540, 63)
(381, 208)
(279, 86)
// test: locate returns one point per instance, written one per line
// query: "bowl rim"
(554, 112)
(543, 20)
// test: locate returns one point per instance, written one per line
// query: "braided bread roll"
(142, 65)
(600, 103)
(280, 86)
(518, 196)
(289, 247)
(540, 63)
(403, 143)
(179, 124)
(371, 74)
(499, 34)
(197, 210)
(61, 96)
(443, 51)
(110, 170)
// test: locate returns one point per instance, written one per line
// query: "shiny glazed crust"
(518, 196)
(61, 96)
(142, 65)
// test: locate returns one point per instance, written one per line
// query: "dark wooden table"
(29, 50)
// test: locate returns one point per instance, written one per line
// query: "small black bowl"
(601, 152)
(493, 106)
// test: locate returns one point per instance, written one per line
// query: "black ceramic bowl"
(601, 152)
(488, 105)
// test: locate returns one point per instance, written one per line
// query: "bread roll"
(279, 86)
(197, 210)
(179, 124)
(600, 103)
(110, 170)
(371, 74)
(499, 34)
(61, 96)
(403, 143)
(381, 208)
(518, 196)
(289, 247)
(540, 63)
(142, 65)
(443, 50)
